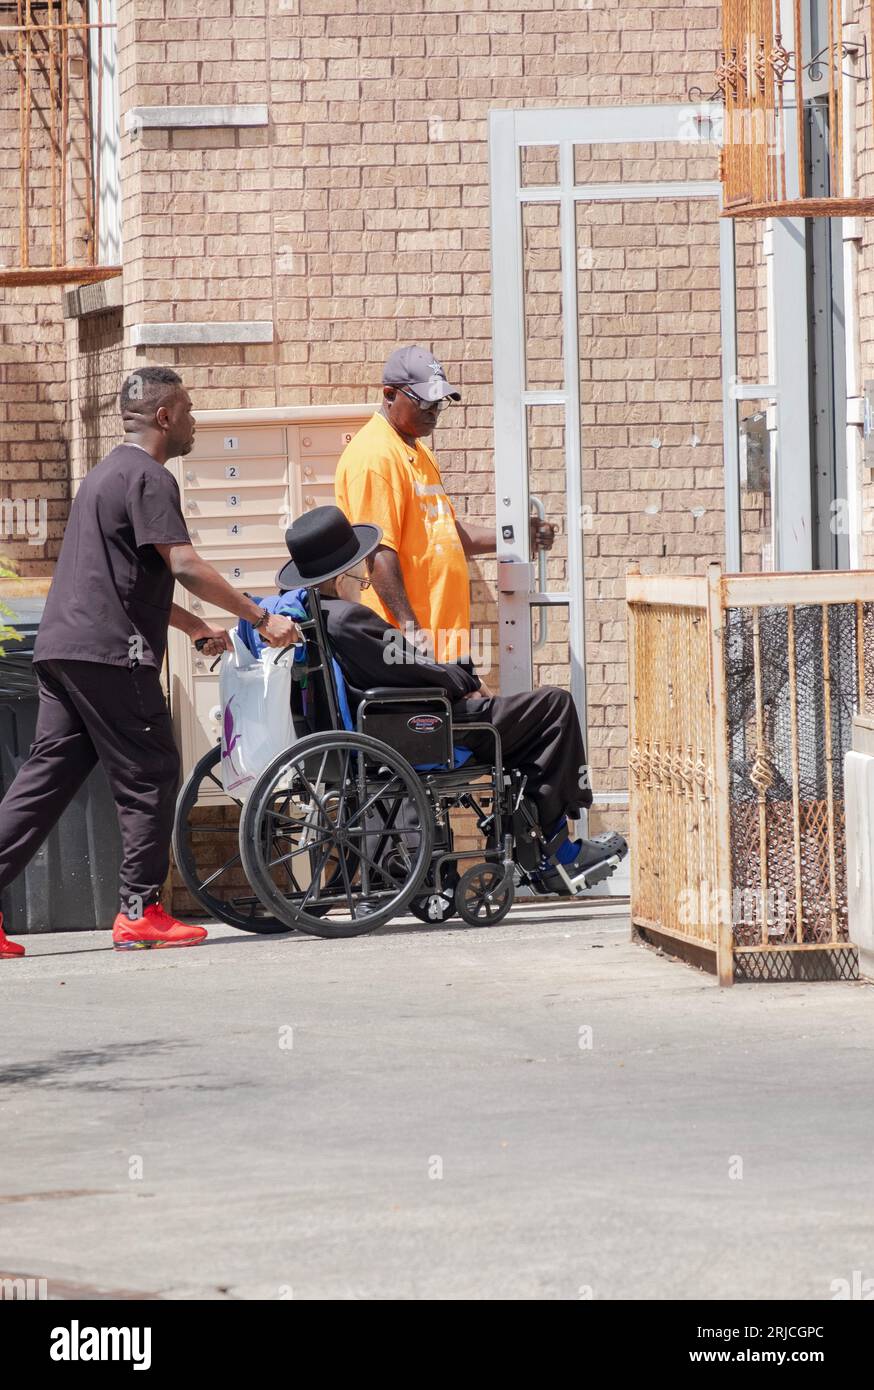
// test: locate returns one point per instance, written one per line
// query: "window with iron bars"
(60, 218)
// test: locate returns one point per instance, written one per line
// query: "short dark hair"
(144, 385)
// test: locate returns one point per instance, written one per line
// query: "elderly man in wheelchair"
(352, 824)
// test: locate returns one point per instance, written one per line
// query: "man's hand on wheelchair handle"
(212, 641)
(278, 631)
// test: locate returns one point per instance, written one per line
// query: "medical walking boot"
(8, 949)
(595, 860)
(156, 928)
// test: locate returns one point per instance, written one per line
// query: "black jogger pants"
(90, 711)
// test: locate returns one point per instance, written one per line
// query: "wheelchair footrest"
(589, 877)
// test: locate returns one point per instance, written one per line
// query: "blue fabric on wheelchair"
(290, 605)
(342, 697)
(293, 604)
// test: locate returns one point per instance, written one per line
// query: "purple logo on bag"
(231, 739)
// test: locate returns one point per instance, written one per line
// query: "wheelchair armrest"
(396, 693)
(458, 731)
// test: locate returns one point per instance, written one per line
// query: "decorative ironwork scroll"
(767, 80)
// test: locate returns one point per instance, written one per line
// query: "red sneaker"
(8, 949)
(155, 928)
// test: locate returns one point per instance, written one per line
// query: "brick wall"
(33, 418)
(360, 220)
(95, 349)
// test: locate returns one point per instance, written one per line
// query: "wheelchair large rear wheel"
(206, 848)
(348, 797)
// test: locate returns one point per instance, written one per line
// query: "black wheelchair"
(352, 825)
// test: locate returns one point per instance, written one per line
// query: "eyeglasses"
(360, 576)
(439, 406)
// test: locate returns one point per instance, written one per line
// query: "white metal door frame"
(508, 132)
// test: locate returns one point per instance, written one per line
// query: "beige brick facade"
(358, 219)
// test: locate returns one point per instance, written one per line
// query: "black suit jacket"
(370, 652)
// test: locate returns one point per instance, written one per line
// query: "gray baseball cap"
(418, 368)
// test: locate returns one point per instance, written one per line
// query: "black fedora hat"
(322, 544)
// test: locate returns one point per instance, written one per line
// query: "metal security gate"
(546, 166)
(737, 766)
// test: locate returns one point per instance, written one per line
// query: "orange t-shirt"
(385, 481)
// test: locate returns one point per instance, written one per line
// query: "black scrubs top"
(110, 584)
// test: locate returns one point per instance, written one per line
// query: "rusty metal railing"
(743, 691)
(766, 76)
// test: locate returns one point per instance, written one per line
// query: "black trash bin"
(71, 884)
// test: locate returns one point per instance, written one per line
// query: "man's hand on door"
(542, 534)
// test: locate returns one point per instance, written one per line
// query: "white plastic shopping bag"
(257, 724)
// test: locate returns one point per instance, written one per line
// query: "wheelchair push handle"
(200, 642)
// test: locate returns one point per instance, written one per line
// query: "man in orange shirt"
(388, 477)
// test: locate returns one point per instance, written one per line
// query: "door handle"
(539, 511)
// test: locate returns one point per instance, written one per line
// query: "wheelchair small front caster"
(484, 895)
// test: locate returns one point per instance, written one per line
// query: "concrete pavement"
(540, 1110)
